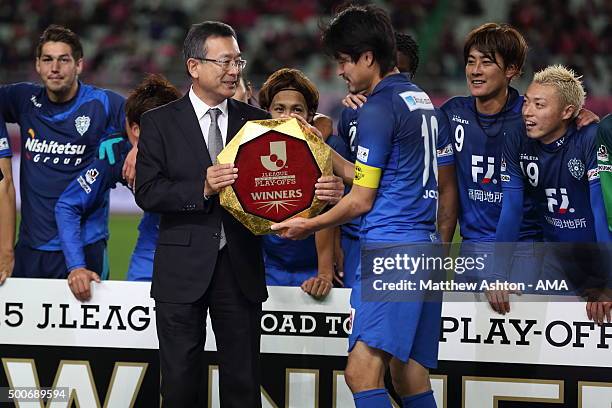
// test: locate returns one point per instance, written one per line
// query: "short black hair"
(407, 46)
(155, 90)
(193, 46)
(359, 29)
(58, 33)
(494, 39)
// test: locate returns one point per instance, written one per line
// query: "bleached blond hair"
(568, 85)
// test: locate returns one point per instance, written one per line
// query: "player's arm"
(7, 219)
(320, 285)
(375, 144)
(448, 196)
(84, 195)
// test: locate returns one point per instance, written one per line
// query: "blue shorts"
(34, 263)
(406, 330)
(352, 253)
(276, 276)
(141, 265)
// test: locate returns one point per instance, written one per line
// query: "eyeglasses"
(226, 64)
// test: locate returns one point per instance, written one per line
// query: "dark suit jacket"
(171, 169)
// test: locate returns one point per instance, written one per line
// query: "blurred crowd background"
(123, 39)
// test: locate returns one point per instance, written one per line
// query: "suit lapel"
(190, 129)
(235, 119)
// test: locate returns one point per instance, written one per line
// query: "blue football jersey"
(396, 154)
(478, 143)
(557, 178)
(347, 131)
(58, 141)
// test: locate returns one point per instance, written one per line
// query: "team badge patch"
(602, 153)
(91, 175)
(4, 144)
(576, 168)
(362, 154)
(82, 124)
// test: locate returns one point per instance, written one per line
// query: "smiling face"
(211, 82)
(546, 119)
(287, 102)
(58, 70)
(487, 78)
(359, 75)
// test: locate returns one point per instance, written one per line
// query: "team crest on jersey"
(417, 100)
(602, 153)
(362, 154)
(82, 124)
(91, 175)
(576, 168)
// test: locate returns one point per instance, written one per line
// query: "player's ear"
(79, 66)
(568, 112)
(368, 57)
(511, 72)
(38, 65)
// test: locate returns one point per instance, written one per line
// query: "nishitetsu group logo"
(276, 175)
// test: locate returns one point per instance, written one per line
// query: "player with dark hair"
(391, 184)
(62, 124)
(494, 55)
(407, 64)
(307, 263)
(87, 198)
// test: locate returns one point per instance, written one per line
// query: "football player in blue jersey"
(556, 166)
(308, 263)
(88, 195)
(407, 64)
(392, 184)
(494, 55)
(62, 124)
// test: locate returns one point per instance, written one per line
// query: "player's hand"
(324, 124)
(7, 263)
(354, 101)
(330, 189)
(586, 117)
(79, 281)
(129, 167)
(295, 228)
(105, 151)
(219, 176)
(317, 287)
(597, 311)
(303, 121)
(499, 300)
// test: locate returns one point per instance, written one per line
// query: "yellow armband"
(366, 176)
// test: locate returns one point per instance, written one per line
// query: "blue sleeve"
(116, 116)
(511, 217)
(9, 102)
(83, 195)
(338, 145)
(445, 153)
(5, 142)
(375, 130)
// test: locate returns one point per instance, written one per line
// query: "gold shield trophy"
(279, 162)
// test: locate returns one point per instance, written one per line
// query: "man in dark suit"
(205, 259)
